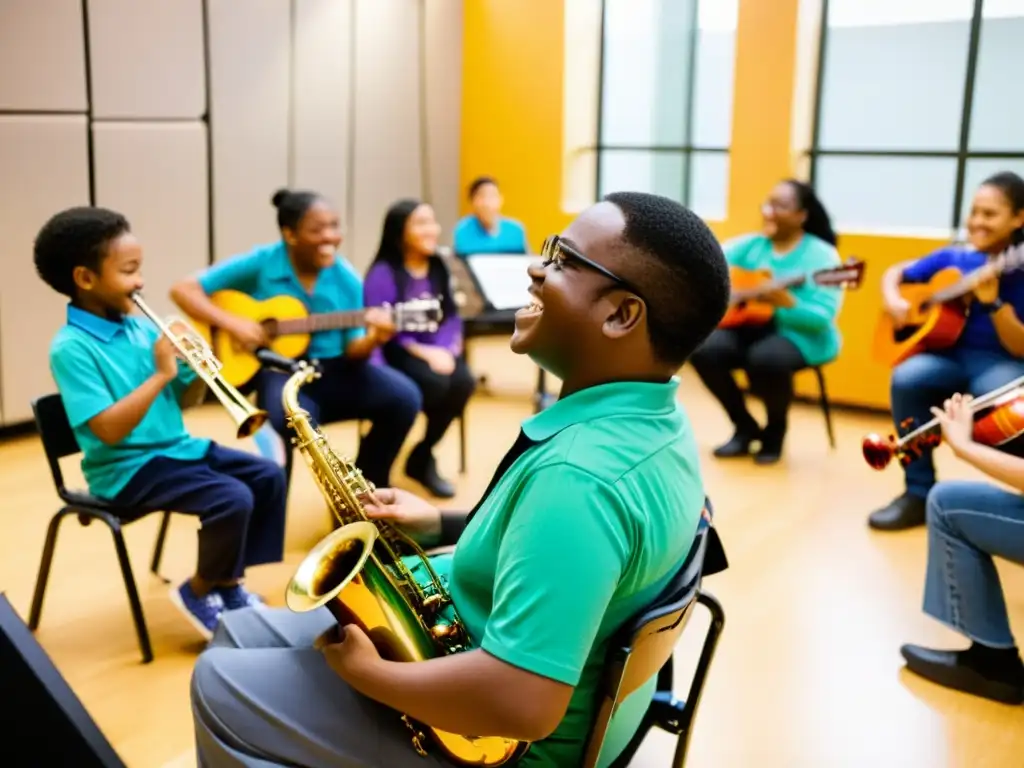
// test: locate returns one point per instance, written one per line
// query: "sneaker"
(203, 612)
(239, 597)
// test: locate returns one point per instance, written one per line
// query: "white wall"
(199, 110)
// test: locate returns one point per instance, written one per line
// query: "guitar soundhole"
(905, 332)
(270, 326)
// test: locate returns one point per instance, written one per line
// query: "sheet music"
(503, 278)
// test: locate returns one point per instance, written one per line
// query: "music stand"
(44, 722)
(494, 287)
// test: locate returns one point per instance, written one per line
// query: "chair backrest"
(55, 431)
(645, 644)
(41, 700)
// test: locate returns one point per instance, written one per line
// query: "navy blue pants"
(238, 497)
(353, 389)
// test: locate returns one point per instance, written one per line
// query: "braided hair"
(818, 222)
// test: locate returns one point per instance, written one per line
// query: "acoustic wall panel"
(387, 117)
(156, 175)
(44, 168)
(249, 42)
(42, 56)
(444, 23)
(322, 99)
(147, 59)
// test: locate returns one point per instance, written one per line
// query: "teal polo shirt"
(266, 272)
(470, 237)
(582, 532)
(96, 362)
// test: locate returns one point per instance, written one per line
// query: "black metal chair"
(644, 646)
(59, 442)
(826, 406)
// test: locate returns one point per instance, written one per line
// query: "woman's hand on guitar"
(957, 421)
(897, 308)
(987, 291)
(248, 334)
(379, 325)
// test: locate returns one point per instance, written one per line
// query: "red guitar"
(749, 287)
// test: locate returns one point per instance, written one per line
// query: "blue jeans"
(927, 379)
(353, 389)
(968, 524)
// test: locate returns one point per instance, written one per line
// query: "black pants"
(239, 499)
(353, 389)
(769, 361)
(444, 397)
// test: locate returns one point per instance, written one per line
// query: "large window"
(665, 100)
(917, 103)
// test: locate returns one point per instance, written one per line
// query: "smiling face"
(781, 215)
(487, 203)
(314, 243)
(571, 317)
(992, 220)
(422, 232)
(119, 275)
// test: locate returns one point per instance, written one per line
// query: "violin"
(998, 419)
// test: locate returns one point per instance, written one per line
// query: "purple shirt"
(379, 287)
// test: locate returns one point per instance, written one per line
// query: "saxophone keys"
(417, 736)
(440, 631)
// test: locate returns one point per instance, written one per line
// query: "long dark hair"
(818, 222)
(390, 252)
(1012, 187)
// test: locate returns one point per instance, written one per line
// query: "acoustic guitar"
(289, 326)
(938, 310)
(749, 287)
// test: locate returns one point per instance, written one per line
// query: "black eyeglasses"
(556, 250)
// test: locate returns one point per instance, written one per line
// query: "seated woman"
(968, 524)
(989, 350)
(407, 267)
(797, 237)
(485, 230)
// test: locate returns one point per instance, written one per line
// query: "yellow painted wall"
(512, 128)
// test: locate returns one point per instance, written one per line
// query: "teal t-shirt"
(811, 324)
(581, 533)
(266, 272)
(95, 362)
(471, 237)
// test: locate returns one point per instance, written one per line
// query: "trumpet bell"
(330, 566)
(878, 452)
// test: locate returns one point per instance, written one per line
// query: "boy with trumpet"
(122, 384)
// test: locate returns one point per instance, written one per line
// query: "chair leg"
(700, 675)
(158, 548)
(133, 592)
(826, 407)
(462, 443)
(44, 567)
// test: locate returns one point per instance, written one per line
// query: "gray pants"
(263, 696)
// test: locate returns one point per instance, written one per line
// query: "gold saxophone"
(358, 574)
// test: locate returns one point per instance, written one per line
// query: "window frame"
(687, 149)
(962, 154)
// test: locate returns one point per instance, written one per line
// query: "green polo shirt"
(266, 272)
(95, 363)
(581, 533)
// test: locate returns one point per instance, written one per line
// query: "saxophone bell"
(329, 567)
(194, 350)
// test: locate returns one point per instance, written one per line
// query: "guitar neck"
(325, 321)
(780, 284)
(966, 284)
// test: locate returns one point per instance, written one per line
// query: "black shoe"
(771, 446)
(965, 671)
(901, 513)
(421, 467)
(738, 445)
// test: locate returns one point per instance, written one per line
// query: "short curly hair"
(681, 270)
(76, 237)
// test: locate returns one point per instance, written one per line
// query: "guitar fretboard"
(772, 285)
(328, 321)
(1008, 261)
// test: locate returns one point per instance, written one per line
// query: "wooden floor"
(808, 672)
